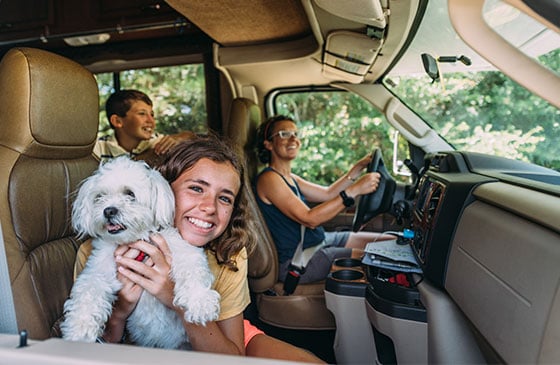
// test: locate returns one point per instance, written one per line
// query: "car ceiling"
(144, 32)
(247, 22)
(180, 27)
(264, 45)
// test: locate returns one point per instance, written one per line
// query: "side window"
(338, 128)
(178, 94)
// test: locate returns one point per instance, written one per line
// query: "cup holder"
(347, 275)
(347, 262)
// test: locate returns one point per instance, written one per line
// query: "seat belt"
(8, 321)
(301, 256)
(299, 261)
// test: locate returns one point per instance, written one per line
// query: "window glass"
(337, 129)
(474, 106)
(178, 94)
(523, 32)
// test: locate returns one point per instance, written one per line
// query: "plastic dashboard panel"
(488, 237)
(57, 351)
(444, 190)
(504, 273)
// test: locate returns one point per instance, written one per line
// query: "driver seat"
(305, 309)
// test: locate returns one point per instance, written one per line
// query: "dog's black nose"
(110, 212)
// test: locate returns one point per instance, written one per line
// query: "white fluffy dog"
(124, 201)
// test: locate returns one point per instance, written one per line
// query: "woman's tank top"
(286, 232)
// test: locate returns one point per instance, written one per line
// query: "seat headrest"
(244, 118)
(49, 105)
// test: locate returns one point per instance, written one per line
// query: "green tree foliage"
(338, 129)
(484, 112)
(178, 94)
(488, 112)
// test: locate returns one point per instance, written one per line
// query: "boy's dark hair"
(120, 101)
(263, 134)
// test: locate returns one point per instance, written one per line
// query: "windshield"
(472, 105)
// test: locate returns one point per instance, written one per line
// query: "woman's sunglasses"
(285, 134)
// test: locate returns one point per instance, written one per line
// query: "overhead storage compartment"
(348, 54)
(369, 12)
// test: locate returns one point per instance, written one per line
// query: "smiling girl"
(206, 177)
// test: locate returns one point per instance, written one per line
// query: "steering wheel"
(379, 201)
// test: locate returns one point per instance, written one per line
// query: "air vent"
(425, 216)
(433, 203)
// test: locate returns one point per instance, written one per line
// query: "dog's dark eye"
(97, 198)
(130, 193)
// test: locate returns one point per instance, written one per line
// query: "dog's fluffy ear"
(163, 200)
(82, 208)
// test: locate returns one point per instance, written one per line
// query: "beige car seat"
(306, 308)
(49, 119)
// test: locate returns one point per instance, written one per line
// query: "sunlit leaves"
(487, 112)
(338, 129)
(178, 94)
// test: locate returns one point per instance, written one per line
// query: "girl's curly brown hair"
(238, 232)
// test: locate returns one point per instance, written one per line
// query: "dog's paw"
(202, 308)
(80, 332)
(81, 325)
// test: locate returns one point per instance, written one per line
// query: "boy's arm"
(166, 143)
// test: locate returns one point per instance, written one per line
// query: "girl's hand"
(127, 298)
(153, 274)
(130, 293)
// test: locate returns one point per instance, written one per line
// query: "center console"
(345, 291)
(389, 300)
(378, 313)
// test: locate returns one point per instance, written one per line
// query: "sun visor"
(349, 55)
(369, 12)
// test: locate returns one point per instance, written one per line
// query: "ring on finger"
(142, 257)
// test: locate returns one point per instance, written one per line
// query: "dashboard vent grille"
(425, 215)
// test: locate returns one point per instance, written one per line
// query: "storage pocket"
(348, 56)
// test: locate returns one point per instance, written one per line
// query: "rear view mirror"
(430, 66)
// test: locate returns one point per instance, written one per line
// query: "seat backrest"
(306, 309)
(244, 118)
(49, 119)
(243, 121)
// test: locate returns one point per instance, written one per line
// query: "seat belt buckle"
(292, 279)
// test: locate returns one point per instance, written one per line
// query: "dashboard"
(487, 234)
(443, 192)
(445, 189)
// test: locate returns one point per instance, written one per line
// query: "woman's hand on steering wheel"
(377, 200)
(364, 161)
(366, 184)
